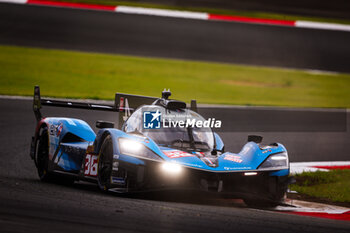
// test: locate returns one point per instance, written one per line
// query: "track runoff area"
(185, 14)
(292, 206)
(316, 209)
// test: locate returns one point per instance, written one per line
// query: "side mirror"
(175, 104)
(104, 124)
(255, 138)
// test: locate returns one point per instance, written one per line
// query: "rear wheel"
(105, 164)
(41, 158)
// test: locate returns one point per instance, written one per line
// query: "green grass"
(331, 186)
(99, 76)
(254, 14)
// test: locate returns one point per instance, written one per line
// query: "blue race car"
(159, 146)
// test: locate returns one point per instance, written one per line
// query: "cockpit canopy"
(171, 127)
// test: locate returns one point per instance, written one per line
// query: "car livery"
(140, 155)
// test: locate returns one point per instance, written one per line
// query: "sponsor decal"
(200, 154)
(121, 104)
(124, 107)
(237, 168)
(151, 119)
(173, 154)
(267, 150)
(193, 123)
(91, 163)
(192, 165)
(55, 130)
(59, 130)
(118, 180)
(233, 158)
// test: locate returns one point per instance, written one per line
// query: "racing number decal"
(233, 158)
(173, 154)
(91, 163)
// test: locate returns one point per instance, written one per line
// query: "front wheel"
(105, 164)
(269, 194)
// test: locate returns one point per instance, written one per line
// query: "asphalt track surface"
(150, 36)
(27, 205)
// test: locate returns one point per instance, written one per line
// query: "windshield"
(177, 129)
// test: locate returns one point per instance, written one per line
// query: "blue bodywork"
(251, 155)
(68, 155)
(248, 159)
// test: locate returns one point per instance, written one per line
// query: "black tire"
(269, 199)
(41, 157)
(105, 164)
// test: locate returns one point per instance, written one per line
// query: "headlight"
(128, 146)
(277, 161)
(136, 149)
(171, 168)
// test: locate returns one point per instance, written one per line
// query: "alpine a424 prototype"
(149, 151)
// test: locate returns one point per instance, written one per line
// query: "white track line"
(324, 26)
(190, 15)
(161, 12)
(322, 163)
(299, 167)
(15, 1)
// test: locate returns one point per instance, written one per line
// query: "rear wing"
(125, 104)
(38, 102)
